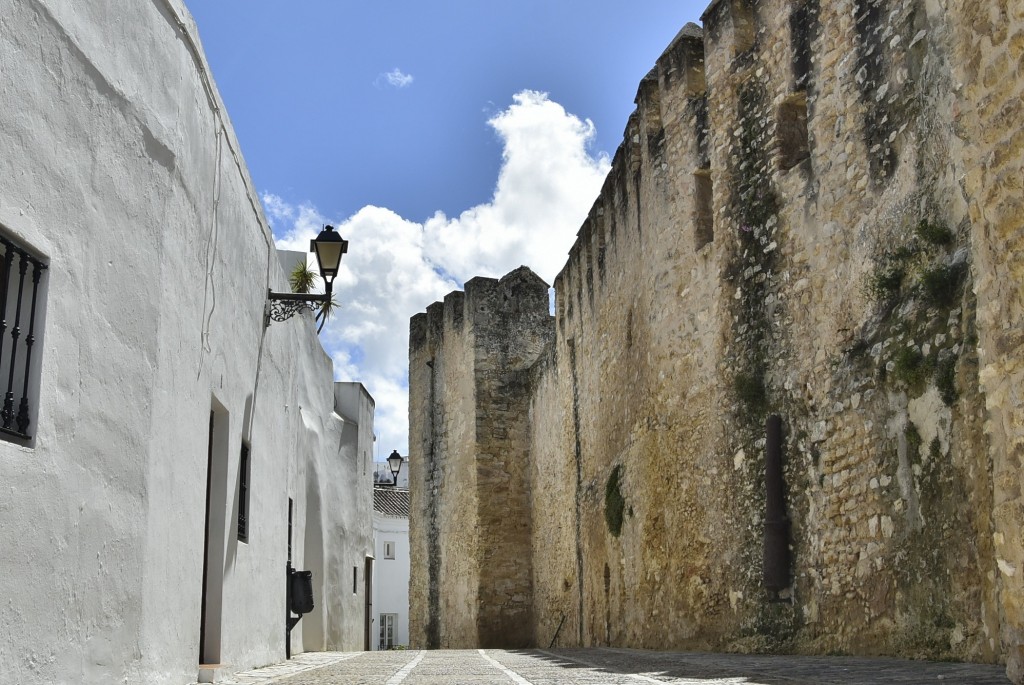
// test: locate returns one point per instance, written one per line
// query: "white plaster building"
(391, 567)
(151, 374)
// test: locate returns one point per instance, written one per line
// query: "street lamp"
(328, 247)
(395, 464)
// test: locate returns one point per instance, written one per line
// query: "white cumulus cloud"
(547, 183)
(396, 267)
(396, 77)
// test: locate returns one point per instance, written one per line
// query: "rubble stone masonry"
(816, 214)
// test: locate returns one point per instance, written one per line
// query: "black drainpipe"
(776, 524)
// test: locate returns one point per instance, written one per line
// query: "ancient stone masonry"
(812, 224)
(471, 523)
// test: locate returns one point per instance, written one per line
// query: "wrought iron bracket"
(283, 306)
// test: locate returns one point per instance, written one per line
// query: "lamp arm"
(283, 306)
(298, 297)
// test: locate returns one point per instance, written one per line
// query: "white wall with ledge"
(119, 167)
(392, 564)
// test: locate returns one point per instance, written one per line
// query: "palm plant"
(302, 280)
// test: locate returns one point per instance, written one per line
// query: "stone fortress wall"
(813, 216)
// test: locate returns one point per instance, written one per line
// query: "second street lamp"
(395, 464)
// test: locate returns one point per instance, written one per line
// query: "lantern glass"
(395, 464)
(328, 248)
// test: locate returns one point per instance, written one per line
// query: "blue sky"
(446, 140)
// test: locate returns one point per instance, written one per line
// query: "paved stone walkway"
(607, 667)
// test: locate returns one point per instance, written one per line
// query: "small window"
(702, 133)
(696, 84)
(793, 144)
(704, 213)
(389, 550)
(21, 305)
(744, 25)
(243, 495)
(800, 26)
(355, 578)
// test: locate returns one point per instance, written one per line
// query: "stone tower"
(470, 361)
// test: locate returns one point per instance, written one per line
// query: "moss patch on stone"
(912, 368)
(913, 437)
(933, 233)
(751, 393)
(940, 284)
(614, 502)
(945, 379)
(887, 277)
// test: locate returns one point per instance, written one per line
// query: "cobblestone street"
(607, 667)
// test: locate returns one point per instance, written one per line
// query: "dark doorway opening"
(288, 575)
(368, 615)
(213, 537)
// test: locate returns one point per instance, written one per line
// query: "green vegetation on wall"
(889, 273)
(614, 502)
(755, 209)
(750, 391)
(917, 287)
(934, 233)
(941, 283)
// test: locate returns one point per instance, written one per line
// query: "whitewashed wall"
(391, 585)
(120, 167)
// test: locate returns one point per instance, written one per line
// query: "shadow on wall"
(313, 560)
(233, 537)
(337, 573)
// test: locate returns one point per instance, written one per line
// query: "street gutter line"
(516, 678)
(407, 669)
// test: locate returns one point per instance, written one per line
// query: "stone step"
(208, 672)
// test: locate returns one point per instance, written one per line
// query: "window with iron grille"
(243, 494)
(21, 283)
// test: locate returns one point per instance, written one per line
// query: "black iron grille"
(20, 274)
(243, 494)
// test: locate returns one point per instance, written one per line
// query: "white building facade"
(166, 453)
(391, 567)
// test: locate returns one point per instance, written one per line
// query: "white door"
(387, 631)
